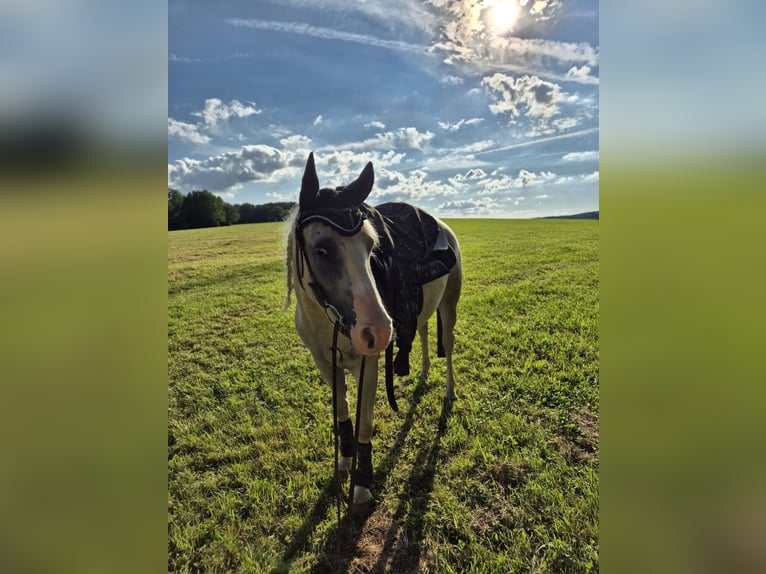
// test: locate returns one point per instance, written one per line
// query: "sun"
(501, 15)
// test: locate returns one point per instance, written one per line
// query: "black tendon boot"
(346, 433)
(363, 476)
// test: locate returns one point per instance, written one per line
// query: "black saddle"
(413, 251)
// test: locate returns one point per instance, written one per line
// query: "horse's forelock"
(370, 230)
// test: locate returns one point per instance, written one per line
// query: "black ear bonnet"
(341, 209)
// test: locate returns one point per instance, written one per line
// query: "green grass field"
(505, 479)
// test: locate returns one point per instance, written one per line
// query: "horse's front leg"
(345, 426)
(363, 476)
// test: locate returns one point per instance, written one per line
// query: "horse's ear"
(309, 184)
(358, 190)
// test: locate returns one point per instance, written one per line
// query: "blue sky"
(466, 108)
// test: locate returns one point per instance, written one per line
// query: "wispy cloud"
(407, 138)
(393, 14)
(538, 141)
(467, 41)
(581, 156)
(459, 124)
(324, 33)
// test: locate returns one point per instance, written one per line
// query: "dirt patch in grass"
(375, 544)
(510, 474)
(587, 424)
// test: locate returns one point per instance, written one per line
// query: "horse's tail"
(439, 345)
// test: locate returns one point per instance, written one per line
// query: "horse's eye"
(321, 251)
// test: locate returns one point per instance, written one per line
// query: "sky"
(466, 108)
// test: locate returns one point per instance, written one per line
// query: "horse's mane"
(290, 231)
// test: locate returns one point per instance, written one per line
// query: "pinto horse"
(346, 262)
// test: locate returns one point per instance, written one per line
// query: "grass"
(505, 479)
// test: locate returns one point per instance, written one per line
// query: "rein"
(336, 432)
(346, 222)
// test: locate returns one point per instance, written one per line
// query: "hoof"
(362, 495)
(422, 376)
(449, 395)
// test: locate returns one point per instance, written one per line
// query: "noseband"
(345, 221)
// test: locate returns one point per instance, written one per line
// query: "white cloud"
(534, 105)
(581, 74)
(578, 179)
(528, 178)
(296, 143)
(452, 161)
(527, 94)
(186, 132)
(376, 125)
(450, 80)
(459, 124)
(543, 8)
(221, 172)
(339, 167)
(392, 185)
(318, 120)
(465, 207)
(581, 156)
(216, 113)
(591, 177)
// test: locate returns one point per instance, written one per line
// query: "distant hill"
(586, 215)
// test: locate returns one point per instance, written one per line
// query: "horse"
(341, 257)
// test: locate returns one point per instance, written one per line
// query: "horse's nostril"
(367, 334)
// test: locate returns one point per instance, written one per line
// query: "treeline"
(204, 209)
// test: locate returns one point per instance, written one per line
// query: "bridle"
(345, 221)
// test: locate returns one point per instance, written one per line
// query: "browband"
(346, 221)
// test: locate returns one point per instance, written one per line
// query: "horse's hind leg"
(426, 359)
(448, 315)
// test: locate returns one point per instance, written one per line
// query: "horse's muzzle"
(371, 338)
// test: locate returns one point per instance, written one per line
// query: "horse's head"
(335, 240)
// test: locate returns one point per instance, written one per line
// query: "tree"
(175, 203)
(203, 209)
(232, 214)
(249, 213)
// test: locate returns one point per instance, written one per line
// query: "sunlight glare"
(502, 15)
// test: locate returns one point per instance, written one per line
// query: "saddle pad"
(413, 250)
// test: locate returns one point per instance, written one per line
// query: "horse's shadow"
(412, 502)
